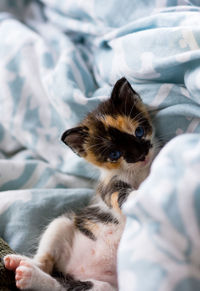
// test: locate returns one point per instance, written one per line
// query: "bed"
(58, 60)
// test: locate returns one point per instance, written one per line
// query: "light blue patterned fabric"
(161, 243)
(58, 60)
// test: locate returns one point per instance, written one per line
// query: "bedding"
(58, 60)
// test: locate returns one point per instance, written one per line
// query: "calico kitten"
(118, 138)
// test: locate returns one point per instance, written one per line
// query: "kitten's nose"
(142, 157)
(146, 149)
(147, 144)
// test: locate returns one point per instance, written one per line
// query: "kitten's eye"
(139, 132)
(114, 155)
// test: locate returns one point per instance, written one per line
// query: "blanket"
(58, 60)
(162, 235)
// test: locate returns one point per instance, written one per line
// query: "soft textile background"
(161, 244)
(58, 59)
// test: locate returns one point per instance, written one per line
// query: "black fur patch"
(71, 284)
(81, 225)
(114, 185)
(123, 194)
(123, 101)
(92, 214)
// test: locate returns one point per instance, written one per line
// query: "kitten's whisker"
(101, 149)
(94, 145)
(166, 137)
(131, 110)
(101, 138)
(99, 146)
(139, 116)
(125, 106)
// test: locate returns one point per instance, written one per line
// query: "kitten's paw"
(24, 274)
(11, 262)
(25, 270)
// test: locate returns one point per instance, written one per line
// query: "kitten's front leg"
(29, 276)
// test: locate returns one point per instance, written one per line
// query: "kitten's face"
(116, 135)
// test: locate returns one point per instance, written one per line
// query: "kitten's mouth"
(145, 160)
(142, 159)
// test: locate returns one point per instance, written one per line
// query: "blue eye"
(114, 155)
(139, 132)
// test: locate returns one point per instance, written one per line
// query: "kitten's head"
(117, 135)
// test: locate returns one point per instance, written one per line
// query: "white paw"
(26, 272)
(11, 262)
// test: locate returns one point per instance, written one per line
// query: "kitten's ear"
(75, 138)
(122, 91)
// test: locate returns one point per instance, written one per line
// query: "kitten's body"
(118, 138)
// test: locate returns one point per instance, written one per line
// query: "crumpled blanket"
(58, 60)
(161, 242)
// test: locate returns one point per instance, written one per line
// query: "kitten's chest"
(96, 258)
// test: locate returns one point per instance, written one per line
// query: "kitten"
(118, 138)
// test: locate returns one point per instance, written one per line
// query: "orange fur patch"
(46, 263)
(122, 123)
(92, 226)
(114, 201)
(90, 157)
(82, 270)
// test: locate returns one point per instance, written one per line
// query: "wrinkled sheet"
(161, 242)
(58, 60)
